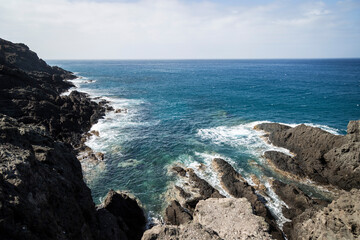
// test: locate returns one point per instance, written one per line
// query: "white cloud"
(176, 29)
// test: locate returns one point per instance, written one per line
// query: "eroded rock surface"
(216, 218)
(238, 187)
(339, 220)
(42, 192)
(320, 155)
(231, 218)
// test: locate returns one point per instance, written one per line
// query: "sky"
(183, 29)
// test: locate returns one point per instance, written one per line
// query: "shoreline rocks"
(319, 155)
(216, 218)
(42, 191)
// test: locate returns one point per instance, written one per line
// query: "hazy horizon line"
(200, 59)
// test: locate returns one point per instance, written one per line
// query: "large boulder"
(129, 214)
(216, 218)
(231, 218)
(184, 232)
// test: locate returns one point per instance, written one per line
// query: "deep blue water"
(192, 110)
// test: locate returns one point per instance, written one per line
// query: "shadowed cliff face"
(42, 192)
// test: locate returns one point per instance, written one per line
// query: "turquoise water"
(190, 111)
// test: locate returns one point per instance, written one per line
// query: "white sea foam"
(241, 136)
(275, 204)
(245, 136)
(206, 172)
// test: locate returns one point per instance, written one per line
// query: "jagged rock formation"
(327, 159)
(216, 218)
(319, 155)
(339, 220)
(238, 187)
(42, 192)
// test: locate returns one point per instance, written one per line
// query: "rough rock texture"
(321, 156)
(42, 192)
(175, 214)
(195, 190)
(296, 199)
(231, 218)
(271, 127)
(284, 162)
(184, 232)
(129, 215)
(339, 220)
(216, 218)
(238, 187)
(42, 195)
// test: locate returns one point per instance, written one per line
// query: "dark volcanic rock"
(42, 192)
(271, 127)
(296, 199)
(238, 187)
(320, 155)
(109, 226)
(284, 162)
(175, 214)
(20, 56)
(30, 89)
(129, 215)
(205, 189)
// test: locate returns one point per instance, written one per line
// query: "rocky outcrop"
(42, 192)
(324, 158)
(195, 190)
(183, 232)
(175, 214)
(216, 218)
(238, 187)
(221, 214)
(319, 155)
(339, 220)
(128, 213)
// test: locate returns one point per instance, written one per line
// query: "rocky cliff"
(42, 192)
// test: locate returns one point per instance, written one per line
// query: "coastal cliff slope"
(42, 192)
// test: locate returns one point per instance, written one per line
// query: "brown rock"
(339, 220)
(237, 186)
(175, 214)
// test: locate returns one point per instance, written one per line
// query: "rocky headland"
(43, 194)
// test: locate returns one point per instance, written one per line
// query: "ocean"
(190, 111)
